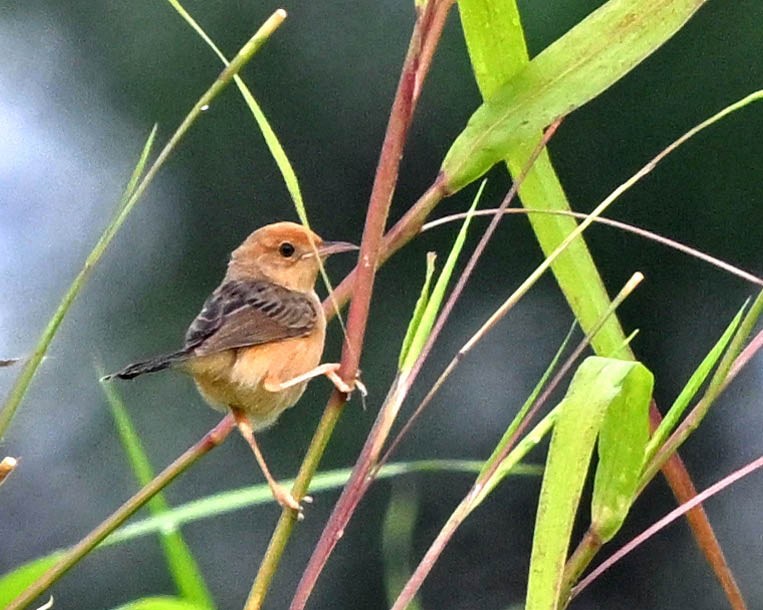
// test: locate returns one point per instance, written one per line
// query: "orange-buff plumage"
(259, 337)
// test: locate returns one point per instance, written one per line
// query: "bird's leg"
(280, 493)
(328, 369)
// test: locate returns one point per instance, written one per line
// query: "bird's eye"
(286, 249)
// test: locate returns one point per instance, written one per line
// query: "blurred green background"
(81, 83)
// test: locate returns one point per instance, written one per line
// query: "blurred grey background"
(81, 83)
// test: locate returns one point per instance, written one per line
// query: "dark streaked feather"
(251, 312)
(159, 363)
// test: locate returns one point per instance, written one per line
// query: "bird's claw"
(346, 388)
(285, 499)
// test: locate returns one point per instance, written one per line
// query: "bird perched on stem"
(259, 337)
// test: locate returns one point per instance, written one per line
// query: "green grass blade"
(497, 50)
(511, 462)
(746, 328)
(137, 172)
(397, 542)
(18, 580)
(622, 441)
(691, 388)
(495, 41)
(598, 384)
(268, 133)
(427, 318)
(181, 564)
(493, 473)
(13, 583)
(21, 385)
(229, 501)
(418, 310)
(577, 67)
(519, 417)
(714, 387)
(160, 603)
(239, 61)
(271, 139)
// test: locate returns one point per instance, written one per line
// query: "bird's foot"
(341, 385)
(286, 500)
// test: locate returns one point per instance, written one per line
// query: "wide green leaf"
(598, 385)
(13, 583)
(591, 57)
(622, 442)
(497, 50)
(181, 564)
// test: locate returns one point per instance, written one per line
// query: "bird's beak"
(327, 248)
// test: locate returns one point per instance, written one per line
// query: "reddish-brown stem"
(426, 34)
(667, 520)
(683, 489)
(589, 546)
(374, 250)
(362, 476)
(427, 31)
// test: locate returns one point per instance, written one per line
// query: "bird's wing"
(245, 313)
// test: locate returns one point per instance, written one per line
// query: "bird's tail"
(159, 363)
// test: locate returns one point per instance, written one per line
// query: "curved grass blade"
(161, 603)
(271, 140)
(14, 582)
(182, 566)
(691, 388)
(599, 385)
(31, 365)
(577, 67)
(239, 61)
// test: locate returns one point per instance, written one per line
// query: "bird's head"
(285, 253)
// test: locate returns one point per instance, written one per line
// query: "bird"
(259, 336)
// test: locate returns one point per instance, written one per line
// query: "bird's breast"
(238, 378)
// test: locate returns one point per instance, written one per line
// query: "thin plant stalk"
(591, 544)
(426, 34)
(485, 482)
(368, 459)
(456, 292)
(30, 368)
(617, 224)
(674, 469)
(210, 440)
(717, 384)
(328, 541)
(676, 513)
